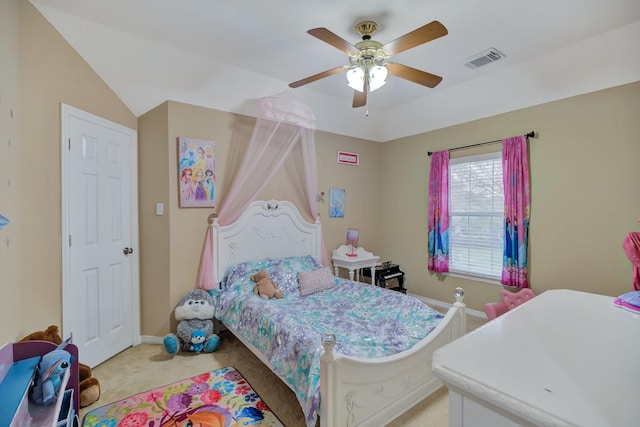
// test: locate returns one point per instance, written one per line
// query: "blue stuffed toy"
(49, 375)
(198, 338)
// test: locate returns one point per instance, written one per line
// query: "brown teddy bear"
(89, 387)
(265, 287)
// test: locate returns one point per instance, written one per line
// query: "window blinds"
(476, 223)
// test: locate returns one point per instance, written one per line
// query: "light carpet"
(148, 366)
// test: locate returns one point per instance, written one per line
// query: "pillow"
(285, 277)
(315, 281)
(285, 272)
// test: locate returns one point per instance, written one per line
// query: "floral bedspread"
(217, 398)
(368, 321)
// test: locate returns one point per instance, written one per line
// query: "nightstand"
(362, 259)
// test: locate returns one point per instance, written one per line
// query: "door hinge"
(69, 144)
(69, 240)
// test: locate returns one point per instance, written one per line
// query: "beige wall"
(154, 251)
(51, 73)
(362, 190)
(583, 168)
(10, 147)
(584, 194)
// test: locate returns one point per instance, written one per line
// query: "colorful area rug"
(221, 398)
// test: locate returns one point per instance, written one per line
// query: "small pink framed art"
(347, 158)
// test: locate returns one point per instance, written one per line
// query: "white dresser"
(565, 358)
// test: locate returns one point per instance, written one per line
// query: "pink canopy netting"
(284, 127)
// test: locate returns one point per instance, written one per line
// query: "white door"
(100, 259)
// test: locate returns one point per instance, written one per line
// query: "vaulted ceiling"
(226, 54)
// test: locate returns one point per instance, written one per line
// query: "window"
(476, 220)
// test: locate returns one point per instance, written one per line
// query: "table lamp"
(352, 236)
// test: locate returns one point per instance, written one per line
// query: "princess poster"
(196, 173)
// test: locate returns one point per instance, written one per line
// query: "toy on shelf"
(38, 384)
(89, 386)
(49, 375)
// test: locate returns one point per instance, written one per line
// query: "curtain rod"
(531, 134)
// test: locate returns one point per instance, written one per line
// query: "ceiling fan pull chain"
(366, 106)
(366, 91)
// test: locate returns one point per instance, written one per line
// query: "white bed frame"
(354, 391)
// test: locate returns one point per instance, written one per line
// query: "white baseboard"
(150, 339)
(446, 306)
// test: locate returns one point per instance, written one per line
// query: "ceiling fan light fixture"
(355, 78)
(377, 76)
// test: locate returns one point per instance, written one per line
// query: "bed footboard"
(373, 392)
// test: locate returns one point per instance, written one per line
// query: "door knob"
(127, 251)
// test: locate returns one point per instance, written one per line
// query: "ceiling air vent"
(484, 58)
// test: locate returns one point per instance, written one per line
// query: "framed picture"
(348, 158)
(196, 173)
(336, 203)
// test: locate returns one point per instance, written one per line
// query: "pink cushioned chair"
(510, 300)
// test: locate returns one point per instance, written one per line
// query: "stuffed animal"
(194, 312)
(197, 340)
(265, 287)
(89, 387)
(49, 374)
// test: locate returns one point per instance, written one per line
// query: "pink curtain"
(438, 220)
(282, 122)
(631, 246)
(517, 207)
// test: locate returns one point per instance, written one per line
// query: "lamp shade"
(355, 78)
(352, 234)
(377, 76)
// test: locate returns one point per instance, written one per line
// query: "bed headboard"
(267, 228)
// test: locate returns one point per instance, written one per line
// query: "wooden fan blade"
(359, 99)
(318, 76)
(331, 38)
(426, 33)
(417, 76)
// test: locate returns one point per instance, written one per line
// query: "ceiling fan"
(368, 60)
